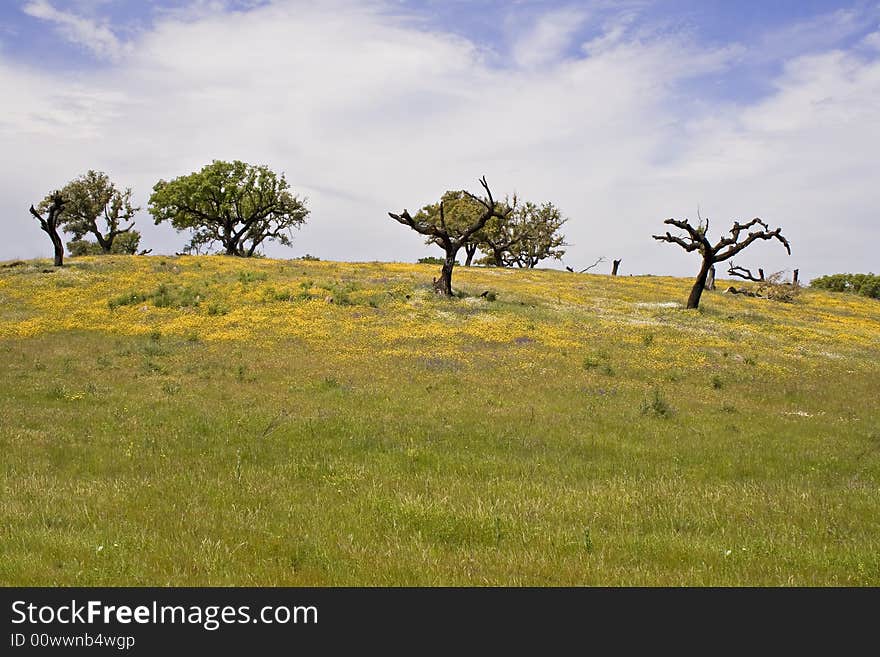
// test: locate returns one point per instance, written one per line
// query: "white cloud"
(549, 38)
(94, 35)
(367, 114)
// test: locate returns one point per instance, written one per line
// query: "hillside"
(212, 421)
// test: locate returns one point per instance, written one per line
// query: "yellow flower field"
(255, 421)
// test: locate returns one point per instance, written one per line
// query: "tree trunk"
(470, 250)
(59, 248)
(710, 279)
(761, 274)
(614, 267)
(105, 244)
(699, 284)
(444, 284)
(794, 279)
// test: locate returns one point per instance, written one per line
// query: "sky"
(621, 113)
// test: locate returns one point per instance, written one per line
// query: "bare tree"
(586, 269)
(746, 274)
(727, 247)
(615, 264)
(452, 238)
(52, 206)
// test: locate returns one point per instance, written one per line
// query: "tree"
(452, 236)
(236, 204)
(725, 248)
(742, 272)
(529, 234)
(93, 197)
(52, 207)
(460, 211)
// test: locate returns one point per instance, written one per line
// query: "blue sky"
(623, 113)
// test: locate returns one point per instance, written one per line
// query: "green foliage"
(124, 244)
(247, 277)
(459, 212)
(94, 206)
(529, 234)
(867, 285)
(656, 405)
(238, 205)
(127, 299)
(165, 296)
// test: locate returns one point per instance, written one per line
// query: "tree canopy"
(529, 234)
(94, 206)
(460, 210)
(238, 205)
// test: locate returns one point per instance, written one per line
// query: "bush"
(777, 290)
(430, 260)
(867, 285)
(657, 405)
(124, 244)
(165, 296)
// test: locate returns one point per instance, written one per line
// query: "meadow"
(224, 421)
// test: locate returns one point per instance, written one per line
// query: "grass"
(338, 424)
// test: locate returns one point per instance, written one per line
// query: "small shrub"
(430, 260)
(309, 257)
(657, 406)
(174, 296)
(216, 309)
(128, 299)
(717, 382)
(648, 339)
(246, 277)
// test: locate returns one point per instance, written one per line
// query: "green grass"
(166, 459)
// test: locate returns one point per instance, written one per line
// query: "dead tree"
(746, 274)
(615, 265)
(452, 239)
(52, 207)
(727, 247)
(586, 269)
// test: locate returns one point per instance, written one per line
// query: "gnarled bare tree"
(51, 207)
(727, 247)
(450, 237)
(742, 272)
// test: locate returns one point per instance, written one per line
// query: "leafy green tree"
(529, 234)
(236, 204)
(453, 234)
(95, 207)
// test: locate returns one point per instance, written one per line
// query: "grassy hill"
(212, 421)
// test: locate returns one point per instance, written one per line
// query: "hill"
(214, 421)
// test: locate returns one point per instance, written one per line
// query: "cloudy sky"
(622, 113)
